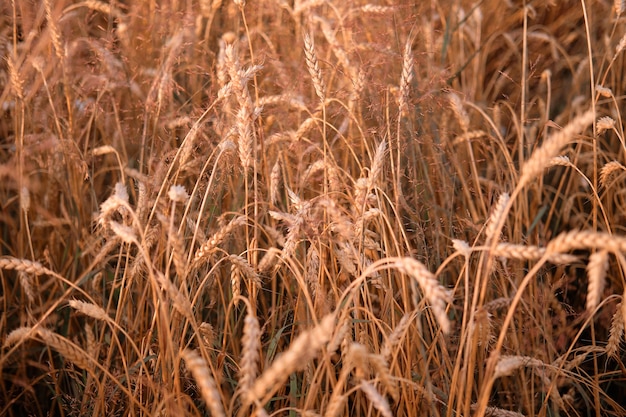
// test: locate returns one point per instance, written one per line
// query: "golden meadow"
(312, 208)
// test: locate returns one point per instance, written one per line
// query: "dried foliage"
(321, 208)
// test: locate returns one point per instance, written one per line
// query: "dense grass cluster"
(315, 208)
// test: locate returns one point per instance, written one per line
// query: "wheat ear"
(615, 333)
(250, 342)
(378, 401)
(201, 373)
(313, 66)
(596, 273)
(542, 156)
(301, 351)
(434, 292)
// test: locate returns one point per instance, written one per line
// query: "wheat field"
(312, 208)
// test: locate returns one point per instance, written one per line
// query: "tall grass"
(312, 208)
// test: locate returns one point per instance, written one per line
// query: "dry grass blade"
(201, 373)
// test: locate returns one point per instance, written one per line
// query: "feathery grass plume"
(201, 373)
(406, 78)
(597, 268)
(619, 6)
(551, 147)
(616, 332)
(212, 243)
(433, 291)
(608, 170)
(378, 401)
(313, 66)
(302, 350)
(508, 364)
(250, 345)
